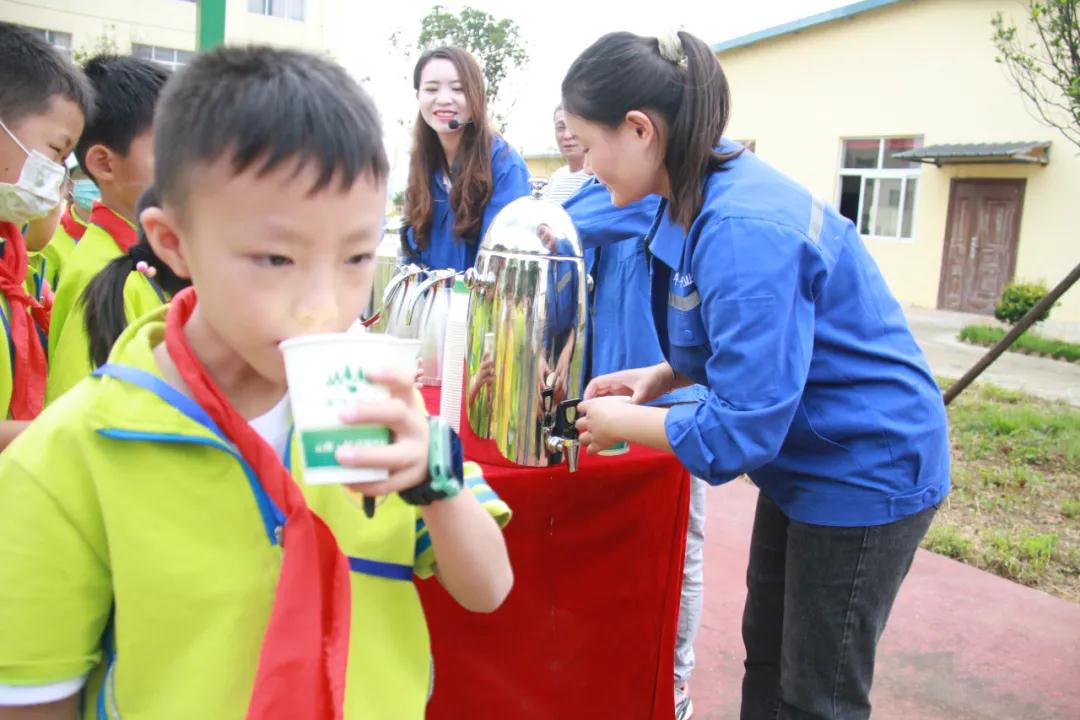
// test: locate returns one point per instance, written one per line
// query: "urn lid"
(533, 226)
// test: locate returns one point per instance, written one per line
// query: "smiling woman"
(461, 172)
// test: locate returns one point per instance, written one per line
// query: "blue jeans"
(817, 602)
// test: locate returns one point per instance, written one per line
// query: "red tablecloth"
(589, 629)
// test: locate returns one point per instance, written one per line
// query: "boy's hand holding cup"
(359, 417)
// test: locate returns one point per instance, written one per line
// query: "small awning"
(973, 153)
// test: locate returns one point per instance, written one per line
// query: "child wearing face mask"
(82, 193)
(51, 239)
(44, 100)
(115, 151)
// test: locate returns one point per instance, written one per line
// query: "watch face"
(456, 459)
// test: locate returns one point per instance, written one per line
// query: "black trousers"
(818, 599)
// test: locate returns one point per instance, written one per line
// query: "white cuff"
(39, 694)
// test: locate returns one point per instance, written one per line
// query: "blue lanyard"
(10, 342)
(194, 411)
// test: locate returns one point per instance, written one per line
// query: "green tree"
(397, 199)
(496, 44)
(1046, 65)
(104, 44)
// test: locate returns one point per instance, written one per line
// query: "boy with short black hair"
(44, 100)
(143, 517)
(116, 152)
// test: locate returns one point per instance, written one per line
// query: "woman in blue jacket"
(461, 173)
(817, 389)
(616, 259)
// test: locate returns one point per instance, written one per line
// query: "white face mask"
(37, 193)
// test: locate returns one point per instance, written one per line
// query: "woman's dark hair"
(103, 298)
(687, 90)
(472, 182)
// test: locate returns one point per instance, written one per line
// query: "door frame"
(1013, 250)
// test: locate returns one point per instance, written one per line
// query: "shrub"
(1017, 300)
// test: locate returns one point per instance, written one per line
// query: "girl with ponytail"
(816, 389)
(108, 303)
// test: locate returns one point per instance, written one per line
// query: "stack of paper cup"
(326, 374)
(453, 375)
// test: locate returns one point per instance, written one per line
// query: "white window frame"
(882, 173)
(268, 7)
(51, 37)
(174, 64)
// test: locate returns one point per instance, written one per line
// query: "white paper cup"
(622, 446)
(326, 374)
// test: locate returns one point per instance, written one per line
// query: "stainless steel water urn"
(525, 348)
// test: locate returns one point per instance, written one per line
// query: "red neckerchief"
(72, 225)
(302, 663)
(28, 374)
(118, 228)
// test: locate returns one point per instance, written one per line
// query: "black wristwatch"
(446, 474)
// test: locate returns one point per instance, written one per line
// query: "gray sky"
(554, 31)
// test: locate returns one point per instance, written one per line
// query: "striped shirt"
(564, 184)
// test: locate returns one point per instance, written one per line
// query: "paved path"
(936, 332)
(962, 644)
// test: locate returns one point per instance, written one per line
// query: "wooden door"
(981, 236)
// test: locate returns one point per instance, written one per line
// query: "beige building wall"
(924, 68)
(319, 31)
(542, 166)
(172, 23)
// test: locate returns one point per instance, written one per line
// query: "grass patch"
(947, 540)
(1019, 555)
(1029, 342)
(990, 423)
(1014, 507)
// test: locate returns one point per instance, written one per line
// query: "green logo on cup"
(349, 378)
(343, 384)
